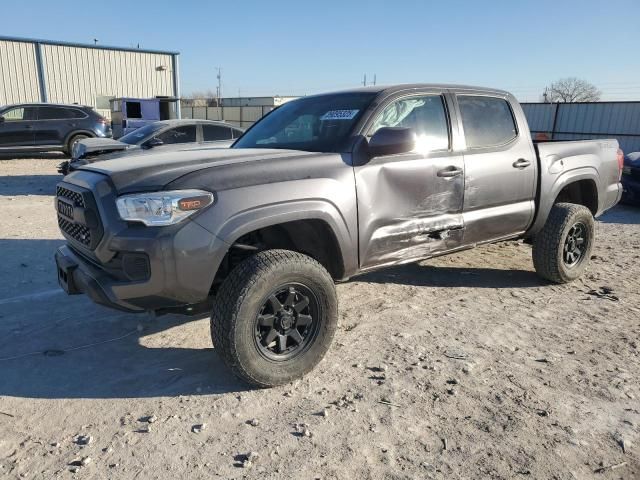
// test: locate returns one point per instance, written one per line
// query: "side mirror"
(153, 142)
(1, 119)
(391, 140)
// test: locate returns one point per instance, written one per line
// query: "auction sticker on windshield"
(339, 115)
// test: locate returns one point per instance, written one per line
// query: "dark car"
(631, 179)
(45, 127)
(157, 136)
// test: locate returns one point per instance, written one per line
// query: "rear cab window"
(487, 121)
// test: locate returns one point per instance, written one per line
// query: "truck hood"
(152, 172)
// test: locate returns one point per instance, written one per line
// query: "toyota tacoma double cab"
(321, 189)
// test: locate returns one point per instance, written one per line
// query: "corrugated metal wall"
(82, 74)
(78, 74)
(575, 121)
(18, 73)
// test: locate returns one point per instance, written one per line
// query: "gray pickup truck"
(324, 188)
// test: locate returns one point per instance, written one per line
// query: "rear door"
(56, 123)
(500, 167)
(410, 204)
(16, 130)
(216, 134)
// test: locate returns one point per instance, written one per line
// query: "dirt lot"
(466, 366)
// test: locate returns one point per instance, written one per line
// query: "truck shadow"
(83, 358)
(433, 276)
(622, 214)
(12, 185)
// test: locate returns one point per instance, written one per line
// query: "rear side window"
(486, 120)
(237, 133)
(58, 113)
(212, 133)
(425, 115)
(185, 134)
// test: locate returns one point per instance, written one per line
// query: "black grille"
(75, 197)
(85, 227)
(78, 232)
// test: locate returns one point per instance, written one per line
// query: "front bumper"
(181, 267)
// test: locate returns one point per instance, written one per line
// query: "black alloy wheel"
(575, 245)
(287, 322)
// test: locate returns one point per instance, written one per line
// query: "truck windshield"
(138, 135)
(320, 123)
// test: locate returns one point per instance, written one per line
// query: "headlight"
(162, 208)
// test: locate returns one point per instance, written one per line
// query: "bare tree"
(569, 90)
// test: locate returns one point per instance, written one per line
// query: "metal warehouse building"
(60, 72)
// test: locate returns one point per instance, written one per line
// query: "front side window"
(425, 115)
(486, 121)
(185, 134)
(212, 133)
(139, 135)
(321, 123)
(15, 114)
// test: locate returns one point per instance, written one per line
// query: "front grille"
(70, 195)
(85, 228)
(79, 232)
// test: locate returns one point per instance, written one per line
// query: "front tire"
(562, 249)
(274, 317)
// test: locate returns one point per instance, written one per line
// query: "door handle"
(521, 163)
(448, 172)
(28, 127)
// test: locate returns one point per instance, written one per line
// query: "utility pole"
(364, 82)
(219, 92)
(374, 79)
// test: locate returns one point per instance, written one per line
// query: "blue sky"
(297, 47)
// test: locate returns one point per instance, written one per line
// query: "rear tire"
(274, 317)
(562, 249)
(73, 140)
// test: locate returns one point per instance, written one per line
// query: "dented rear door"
(410, 204)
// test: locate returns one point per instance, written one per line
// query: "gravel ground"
(467, 366)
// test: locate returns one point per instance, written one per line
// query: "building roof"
(85, 45)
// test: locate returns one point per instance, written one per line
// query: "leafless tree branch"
(570, 90)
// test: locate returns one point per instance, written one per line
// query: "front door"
(16, 128)
(500, 169)
(410, 204)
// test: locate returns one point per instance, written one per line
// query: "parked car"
(43, 127)
(159, 136)
(368, 178)
(631, 179)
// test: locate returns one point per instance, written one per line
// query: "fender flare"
(549, 193)
(309, 209)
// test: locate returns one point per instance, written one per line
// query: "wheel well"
(314, 238)
(582, 192)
